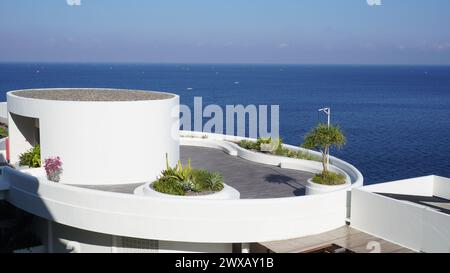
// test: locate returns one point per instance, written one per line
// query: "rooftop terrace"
(251, 179)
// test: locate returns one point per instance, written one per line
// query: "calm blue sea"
(396, 118)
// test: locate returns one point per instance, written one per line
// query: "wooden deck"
(251, 179)
(344, 237)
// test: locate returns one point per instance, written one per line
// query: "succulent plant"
(181, 179)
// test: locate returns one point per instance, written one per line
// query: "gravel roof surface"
(92, 94)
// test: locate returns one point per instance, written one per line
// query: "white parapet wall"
(99, 142)
(173, 219)
(410, 224)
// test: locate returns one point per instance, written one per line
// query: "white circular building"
(114, 142)
(103, 136)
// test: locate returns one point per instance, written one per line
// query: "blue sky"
(226, 31)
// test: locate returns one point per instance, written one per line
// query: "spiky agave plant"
(215, 181)
(181, 174)
(169, 171)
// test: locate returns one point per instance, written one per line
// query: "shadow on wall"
(3, 160)
(32, 214)
(28, 127)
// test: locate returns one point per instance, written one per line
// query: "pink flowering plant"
(53, 168)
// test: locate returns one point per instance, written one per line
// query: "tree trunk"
(324, 160)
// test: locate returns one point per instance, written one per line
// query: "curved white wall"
(174, 219)
(101, 142)
(218, 221)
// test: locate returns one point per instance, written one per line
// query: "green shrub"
(329, 178)
(180, 180)
(3, 132)
(169, 186)
(215, 181)
(279, 147)
(254, 145)
(249, 145)
(307, 156)
(262, 140)
(31, 158)
(280, 150)
(200, 176)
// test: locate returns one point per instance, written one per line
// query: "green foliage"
(254, 145)
(329, 178)
(296, 154)
(31, 158)
(322, 137)
(249, 145)
(181, 180)
(3, 132)
(169, 186)
(280, 150)
(215, 181)
(307, 156)
(178, 172)
(263, 140)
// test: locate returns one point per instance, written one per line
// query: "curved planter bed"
(313, 188)
(227, 193)
(234, 149)
(227, 144)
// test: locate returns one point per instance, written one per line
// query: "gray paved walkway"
(251, 179)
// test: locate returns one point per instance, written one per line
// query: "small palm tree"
(322, 138)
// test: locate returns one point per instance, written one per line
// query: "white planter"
(227, 193)
(313, 188)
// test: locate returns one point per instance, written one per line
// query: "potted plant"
(322, 138)
(53, 168)
(184, 180)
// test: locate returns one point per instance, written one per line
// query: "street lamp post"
(327, 111)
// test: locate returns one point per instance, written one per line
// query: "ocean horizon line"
(223, 64)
